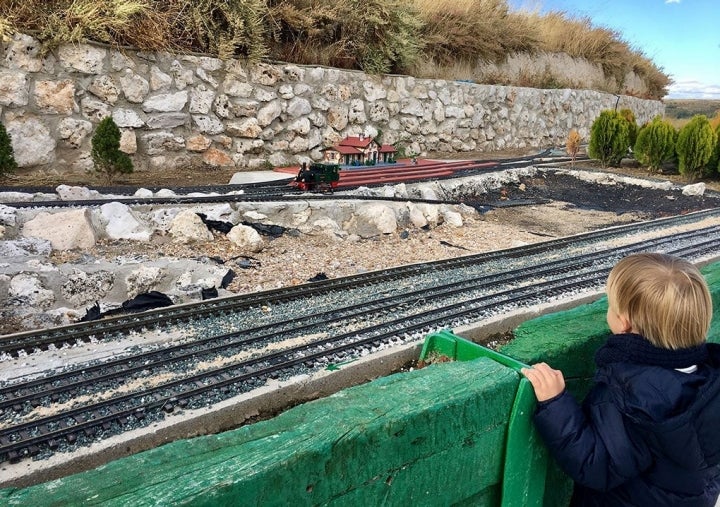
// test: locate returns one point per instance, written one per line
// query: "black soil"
(618, 198)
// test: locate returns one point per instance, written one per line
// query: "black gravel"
(619, 198)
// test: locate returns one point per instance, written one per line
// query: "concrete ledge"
(401, 439)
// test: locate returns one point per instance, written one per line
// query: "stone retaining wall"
(185, 111)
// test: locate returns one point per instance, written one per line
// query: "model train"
(318, 177)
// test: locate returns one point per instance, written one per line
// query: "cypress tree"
(609, 138)
(8, 164)
(655, 144)
(695, 145)
(109, 161)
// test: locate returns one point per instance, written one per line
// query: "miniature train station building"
(359, 150)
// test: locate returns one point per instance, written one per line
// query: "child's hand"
(546, 382)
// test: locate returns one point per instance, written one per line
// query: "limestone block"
(8, 215)
(198, 143)
(201, 100)
(452, 218)
(696, 189)
(217, 158)
(65, 230)
(25, 247)
(372, 220)
(416, 216)
(74, 131)
(94, 109)
(121, 223)
(81, 288)
(356, 113)
(374, 91)
(246, 238)
(82, 57)
(293, 73)
(55, 97)
(31, 140)
(249, 128)
(187, 227)
(162, 142)
(208, 124)
(23, 53)
(286, 92)
(206, 76)
(338, 117)
(159, 80)
(264, 95)
(268, 113)
(134, 86)
(144, 279)
(128, 141)
(105, 88)
(378, 113)
(76, 193)
(28, 290)
(236, 88)
(166, 120)
(299, 107)
(300, 126)
(264, 74)
(127, 118)
(13, 89)
(166, 102)
(240, 108)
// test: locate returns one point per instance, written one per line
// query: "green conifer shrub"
(632, 124)
(655, 144)
(108, 160)
(8, 164)
(713, 166)
(609, 138)
(695, 145)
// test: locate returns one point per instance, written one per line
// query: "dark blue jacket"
(646, 434)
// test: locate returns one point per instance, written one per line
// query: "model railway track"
(281, 190)
(33, 392)
(108, 329)
(98, 407)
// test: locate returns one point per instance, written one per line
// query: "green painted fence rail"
(440, 435)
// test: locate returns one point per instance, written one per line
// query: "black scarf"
(633, 348)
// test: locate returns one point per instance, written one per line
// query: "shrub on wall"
(655, 144)
(107, 158)
(609, 138)
(8, 164)
(695, 145)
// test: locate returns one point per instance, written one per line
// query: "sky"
(681, 37)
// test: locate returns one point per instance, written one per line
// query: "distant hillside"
(681, 109)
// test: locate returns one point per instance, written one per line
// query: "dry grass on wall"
(449, 39)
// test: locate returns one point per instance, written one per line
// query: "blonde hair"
(665, 299)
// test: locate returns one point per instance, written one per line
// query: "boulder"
(246, 238)
(65, 230)
(121, 223)
(187, 227)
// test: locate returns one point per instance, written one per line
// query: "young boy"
(648, 433)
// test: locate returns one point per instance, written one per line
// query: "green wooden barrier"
(525, 463)
(433, 436)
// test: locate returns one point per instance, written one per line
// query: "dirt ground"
(293, 259)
